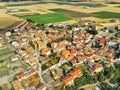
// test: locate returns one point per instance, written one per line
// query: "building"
(94, 67)
(14, 58)
(69, 79)
(38, 43)
(41, 86)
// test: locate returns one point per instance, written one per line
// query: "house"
(54, 74)
(41, 86)
(43, 59)
(94, 67)
(95, 57)
(14, 58)
(69, 79)
(65, 53)
(58, 47)
(21, 76)
(73, 52)
(19, 24)
(17, 85)
(55, 83)
(76, 72)
(46, 51)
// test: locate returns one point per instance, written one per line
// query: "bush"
(94, 32)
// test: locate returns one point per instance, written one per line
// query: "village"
(60, 56)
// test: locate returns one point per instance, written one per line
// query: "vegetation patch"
(71, 13)
(106, 14)
(117, 6)
(49, 63)
(47, 18)
(14, 5)
(117, 34)
(3, 67)
(113, 2)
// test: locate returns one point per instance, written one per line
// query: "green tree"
(100, 77)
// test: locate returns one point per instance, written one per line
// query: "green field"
(71, 13)
(13, 5)
(47, 18)
(106, 14)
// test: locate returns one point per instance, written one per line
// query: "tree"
(100, 77)
(0, 88)
(94, 32)
(108, 72)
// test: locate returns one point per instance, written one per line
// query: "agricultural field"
(80, 4)
(72, 9)
(106, 14)
(47, 18)
(14, 5)
(71, 13)
(20, 10)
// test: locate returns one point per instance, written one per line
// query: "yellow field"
(7, 19)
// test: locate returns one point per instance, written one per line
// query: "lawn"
(47, 18)
(71, 13)
(106, 14)
(14, 5)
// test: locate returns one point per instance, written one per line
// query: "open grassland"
(48, 18)
(106, 14)
(71, 13)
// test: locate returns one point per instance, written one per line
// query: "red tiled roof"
(21, 75)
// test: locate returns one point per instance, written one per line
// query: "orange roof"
(50, 36)
(65, 52)
(76, 72)
(73, 51)
(102, 40)
(46, 50)
(95, 57)
(81, 57)
(21, 75)
(110, 57)
(26, 56)
(67, 79)
(1, 40)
